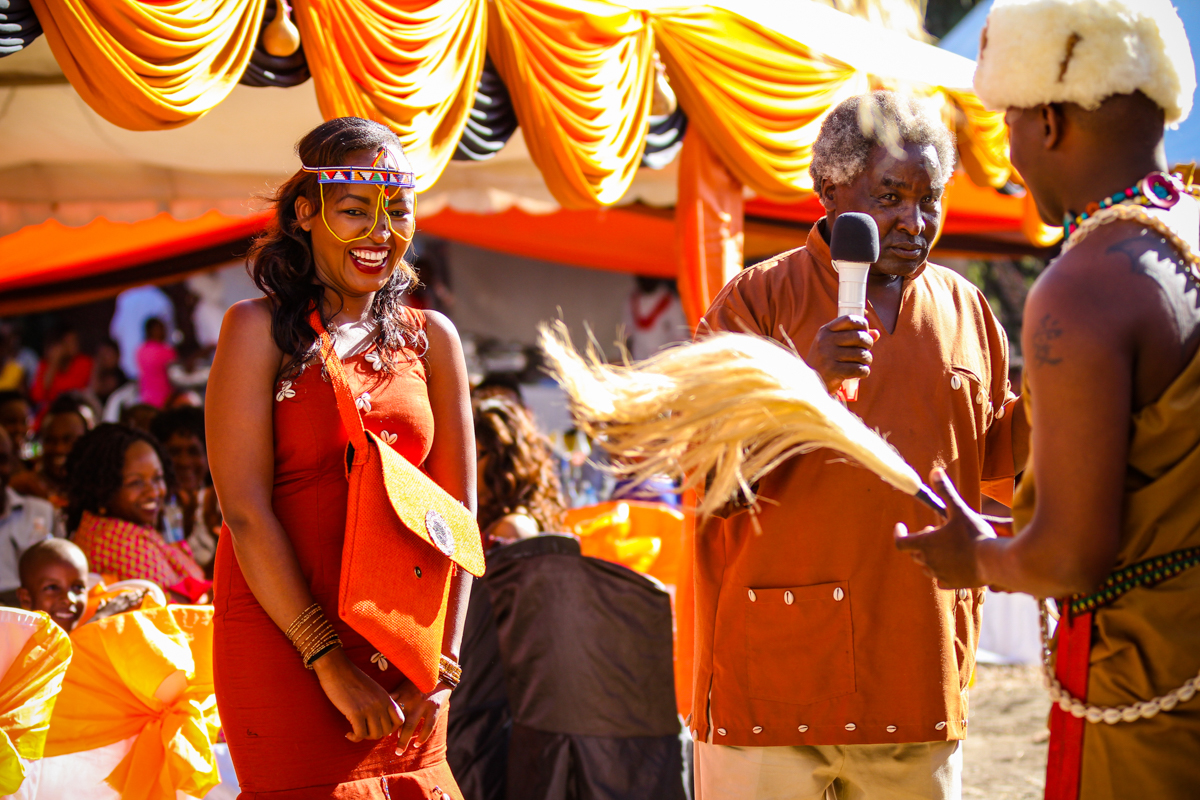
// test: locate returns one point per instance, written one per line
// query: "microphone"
(854, 246)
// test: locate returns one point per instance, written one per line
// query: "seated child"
(54, 580)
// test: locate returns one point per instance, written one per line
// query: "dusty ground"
(1005, 753)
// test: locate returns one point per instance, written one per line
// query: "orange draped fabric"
(28, 691)
(709, 220)
(756, 96)
(149, 66)
(580, 73)
(119, 685)
(410, 64)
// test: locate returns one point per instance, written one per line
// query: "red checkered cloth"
(125, 550)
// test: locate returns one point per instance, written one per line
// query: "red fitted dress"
(286, 739)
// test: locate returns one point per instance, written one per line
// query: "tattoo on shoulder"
(1047, 331)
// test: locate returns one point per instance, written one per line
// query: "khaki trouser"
(921, 771)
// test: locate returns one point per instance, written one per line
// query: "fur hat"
(1084, 51)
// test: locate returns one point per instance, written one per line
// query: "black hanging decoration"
(18, 26)
(492, 119)
(265, 69)
(664, 139)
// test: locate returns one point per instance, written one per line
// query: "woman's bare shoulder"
(442, 335)
(249, 316)
(246, 334)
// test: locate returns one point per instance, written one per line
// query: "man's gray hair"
(885, 119)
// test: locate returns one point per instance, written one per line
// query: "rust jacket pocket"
(799, 642)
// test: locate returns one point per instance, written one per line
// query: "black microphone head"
(855, 238)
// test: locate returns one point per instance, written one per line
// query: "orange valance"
(410, 64)
(149, 66)
(580, 75)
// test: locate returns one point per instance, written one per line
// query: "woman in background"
(519, 491)
(181, 431)
(117, 481)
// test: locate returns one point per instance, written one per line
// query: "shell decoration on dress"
(285, 392)
(363, 402)
(380, 661)
(374, 359)
(388, 438)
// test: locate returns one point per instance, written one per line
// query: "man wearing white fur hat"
(1112, 330)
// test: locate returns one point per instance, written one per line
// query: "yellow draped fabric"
(580, 73)
(410, 64)
(149, 66)
(982, 140)
(756, 96)
(112, 692)
(28, 691)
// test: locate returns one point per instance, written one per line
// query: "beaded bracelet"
(312, 635)
(300, 619)
(449, 672)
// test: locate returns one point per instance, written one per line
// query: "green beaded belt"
(1150, 572)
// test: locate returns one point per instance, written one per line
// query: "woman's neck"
(349, 310)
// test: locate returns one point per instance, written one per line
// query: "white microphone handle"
(852, 299)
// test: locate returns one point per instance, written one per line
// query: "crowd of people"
(117, 465)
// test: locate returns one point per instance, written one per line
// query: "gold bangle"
(314, 634)
(301, 618)
(319, 644)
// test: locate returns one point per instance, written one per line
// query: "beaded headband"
(372, 176)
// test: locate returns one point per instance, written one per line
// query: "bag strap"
(347, 410)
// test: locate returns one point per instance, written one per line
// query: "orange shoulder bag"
(403, 532)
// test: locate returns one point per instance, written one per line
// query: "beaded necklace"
(1134, 213)
(1156, 189)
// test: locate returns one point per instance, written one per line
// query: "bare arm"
(1081, 365)
(1094, 330)
(240, 436)
(451, 461)
(451, 464)
(238, 415)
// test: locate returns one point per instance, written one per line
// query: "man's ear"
(304, 212)
(1053, 121)
(25, 598)
(825, 192)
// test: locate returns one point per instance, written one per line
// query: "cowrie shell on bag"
(440, 533)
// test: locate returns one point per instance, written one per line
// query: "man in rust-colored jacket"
(826, 660)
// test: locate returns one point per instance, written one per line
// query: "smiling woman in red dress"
(351, 726)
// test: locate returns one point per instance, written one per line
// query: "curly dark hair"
(517, 466)
(185, 419)
(95, 465)
(281, 260)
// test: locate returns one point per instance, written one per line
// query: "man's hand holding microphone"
(841, 351)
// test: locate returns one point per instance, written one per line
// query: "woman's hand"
(949, 553)
(416, 708)
(371, 712)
